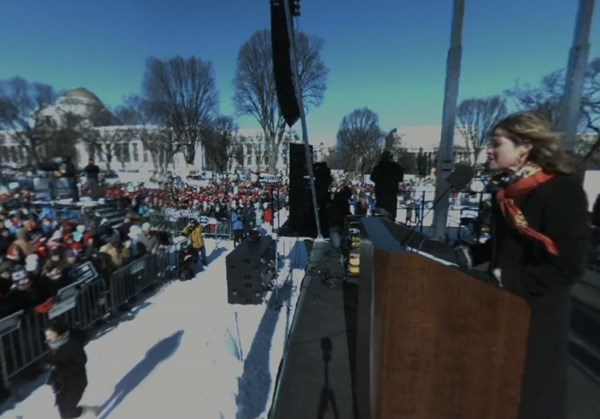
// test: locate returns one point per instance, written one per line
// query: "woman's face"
(504, 154)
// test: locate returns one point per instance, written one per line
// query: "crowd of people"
(39, 254)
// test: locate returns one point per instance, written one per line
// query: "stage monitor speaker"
(282, 64)
(250, 271)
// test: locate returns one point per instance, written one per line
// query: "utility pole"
(309, 160)
(578, 58)
(445, 155)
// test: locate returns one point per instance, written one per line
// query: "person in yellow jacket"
(195, 233)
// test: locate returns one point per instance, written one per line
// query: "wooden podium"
(434, 342)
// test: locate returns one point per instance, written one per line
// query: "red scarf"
(506, 198)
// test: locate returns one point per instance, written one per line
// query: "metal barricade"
(22, 334)
(171, 255)
(130, 280)
(91, 306)
(219, 229)
(82, 304)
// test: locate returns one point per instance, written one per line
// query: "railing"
(218, 229)
(82, 304)
(177, 221)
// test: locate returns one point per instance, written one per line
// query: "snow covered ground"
(187, 353)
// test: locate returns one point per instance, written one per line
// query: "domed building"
(128, 148)
(80, 102)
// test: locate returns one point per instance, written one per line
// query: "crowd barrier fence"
(83, 304)
(177, 220)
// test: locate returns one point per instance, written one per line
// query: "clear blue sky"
(388, 55)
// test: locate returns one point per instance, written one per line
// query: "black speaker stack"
(251, 271)
(282, 64)
(301, 218)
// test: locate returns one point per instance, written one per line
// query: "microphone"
(461, 176)
(457, 180)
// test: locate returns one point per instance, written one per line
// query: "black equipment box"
(250, 271)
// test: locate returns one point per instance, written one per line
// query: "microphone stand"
(405, 241)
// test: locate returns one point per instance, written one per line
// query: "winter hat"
(80, 228)
(14, 253)
(31, 263)
(134, 231)
(77, 236)
(55, 251)
(70, 253)
(146, 227)
(88, 235)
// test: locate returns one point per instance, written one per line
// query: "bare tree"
(590, 105)
(20, 104)
(392, 139)
(160, 141)
(545, 100)
(475, 117)
(360, 139)
(254, 84)
(221, 142)
(181, 95)
(335, 160)
(238, 152)
(63, 138)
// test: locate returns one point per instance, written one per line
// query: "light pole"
(446, 151)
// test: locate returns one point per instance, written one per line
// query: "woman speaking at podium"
(540, 233)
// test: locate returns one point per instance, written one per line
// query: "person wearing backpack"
(68, 375)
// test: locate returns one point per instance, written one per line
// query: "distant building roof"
(81, 93)
(426, 137)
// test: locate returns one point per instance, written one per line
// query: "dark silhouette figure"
(323, 182)
(70, 173)
(160, 352)
(327, 395)
(386, 176)
(92, 172)
(68, 375)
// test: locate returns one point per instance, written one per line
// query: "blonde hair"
(546, 143)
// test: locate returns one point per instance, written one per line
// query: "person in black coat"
(68, 376)
(92, 172)
(70, 173)
(386, 176)
(323, 180)
(540, 234)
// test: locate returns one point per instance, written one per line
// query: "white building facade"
(132, 147)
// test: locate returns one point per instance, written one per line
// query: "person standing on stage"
(540, 233)
(386, 176)
(92, 171)
(68, 376)
(70, 173)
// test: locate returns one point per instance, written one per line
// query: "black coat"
(68, 365)
(386, 176)
(558, 209)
